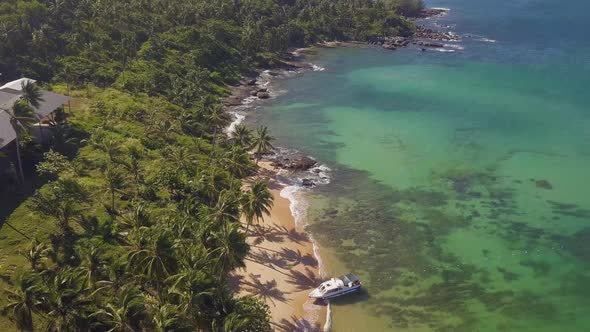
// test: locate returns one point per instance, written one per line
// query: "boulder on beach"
(307, 183)
(263, 95)
(302, 163)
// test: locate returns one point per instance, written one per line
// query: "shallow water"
(461, 188)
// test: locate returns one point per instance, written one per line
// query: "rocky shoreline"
(253, 87)
(423, 37)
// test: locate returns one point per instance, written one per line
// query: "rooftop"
(17, 84)
(10, 93)
(7, 134)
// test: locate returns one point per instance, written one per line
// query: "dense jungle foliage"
(137, 223)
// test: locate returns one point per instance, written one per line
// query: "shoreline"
(284, 263)
(283, 266)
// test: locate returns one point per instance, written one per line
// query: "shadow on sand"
(268, 291)
(295, 324)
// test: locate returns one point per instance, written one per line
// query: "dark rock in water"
(252, 82)
(389, 47)
(430, 12)
(423, 49)
(263, 95)
(307, 183)
(262, 90)
(273, 73)
(317, 171)
(301, 164)
(543, 184)
(430, 44)
(254, 93)
(331, 212)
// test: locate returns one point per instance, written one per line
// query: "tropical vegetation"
(136, 221)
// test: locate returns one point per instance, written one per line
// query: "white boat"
(334, 287)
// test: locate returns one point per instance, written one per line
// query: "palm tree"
(235, 322)
(256, 202)
(242, 135)
(31, 94)
(60, 199)
(262, 142)
(237, 162)
(231, 249)
(135, 156)
(23, 301)
(115, 181)
(112, 148)
(36, 254)
(168, 317)
(22, 116)
(226, 211)
(91, 256)
(152, 256)
(217, 119)
(66, 302)
(124, 312)
(181, 159)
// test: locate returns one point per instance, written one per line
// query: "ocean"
(459, 185)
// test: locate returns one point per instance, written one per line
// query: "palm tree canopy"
(262, 141)
(242, 135)
(31, 94)
(256, 202)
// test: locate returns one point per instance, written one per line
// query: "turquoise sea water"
(461, 185)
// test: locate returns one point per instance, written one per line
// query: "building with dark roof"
(10, 93)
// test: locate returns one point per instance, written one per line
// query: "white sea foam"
(487, 40)
(238, 118)
(297, 205)
(454, 47)
(317, 68)
(441, 8)
(444, 50)
(328, 324)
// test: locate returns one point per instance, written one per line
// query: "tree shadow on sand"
(296, 325)
(269, 259)
(304, 281)
(276, 233)
(296, 257)
(268, 291)
(234, 281)
(263, 233)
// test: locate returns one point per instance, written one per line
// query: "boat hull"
(331, 296)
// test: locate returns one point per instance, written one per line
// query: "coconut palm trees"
(256, 202)
(242, 135)
(115, 181)
(262, 142)
(22, 116)
(67, 301)
(124, 311)
(23, 301)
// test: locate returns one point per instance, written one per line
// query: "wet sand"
(281, 268)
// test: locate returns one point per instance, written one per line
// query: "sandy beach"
(281, 268)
